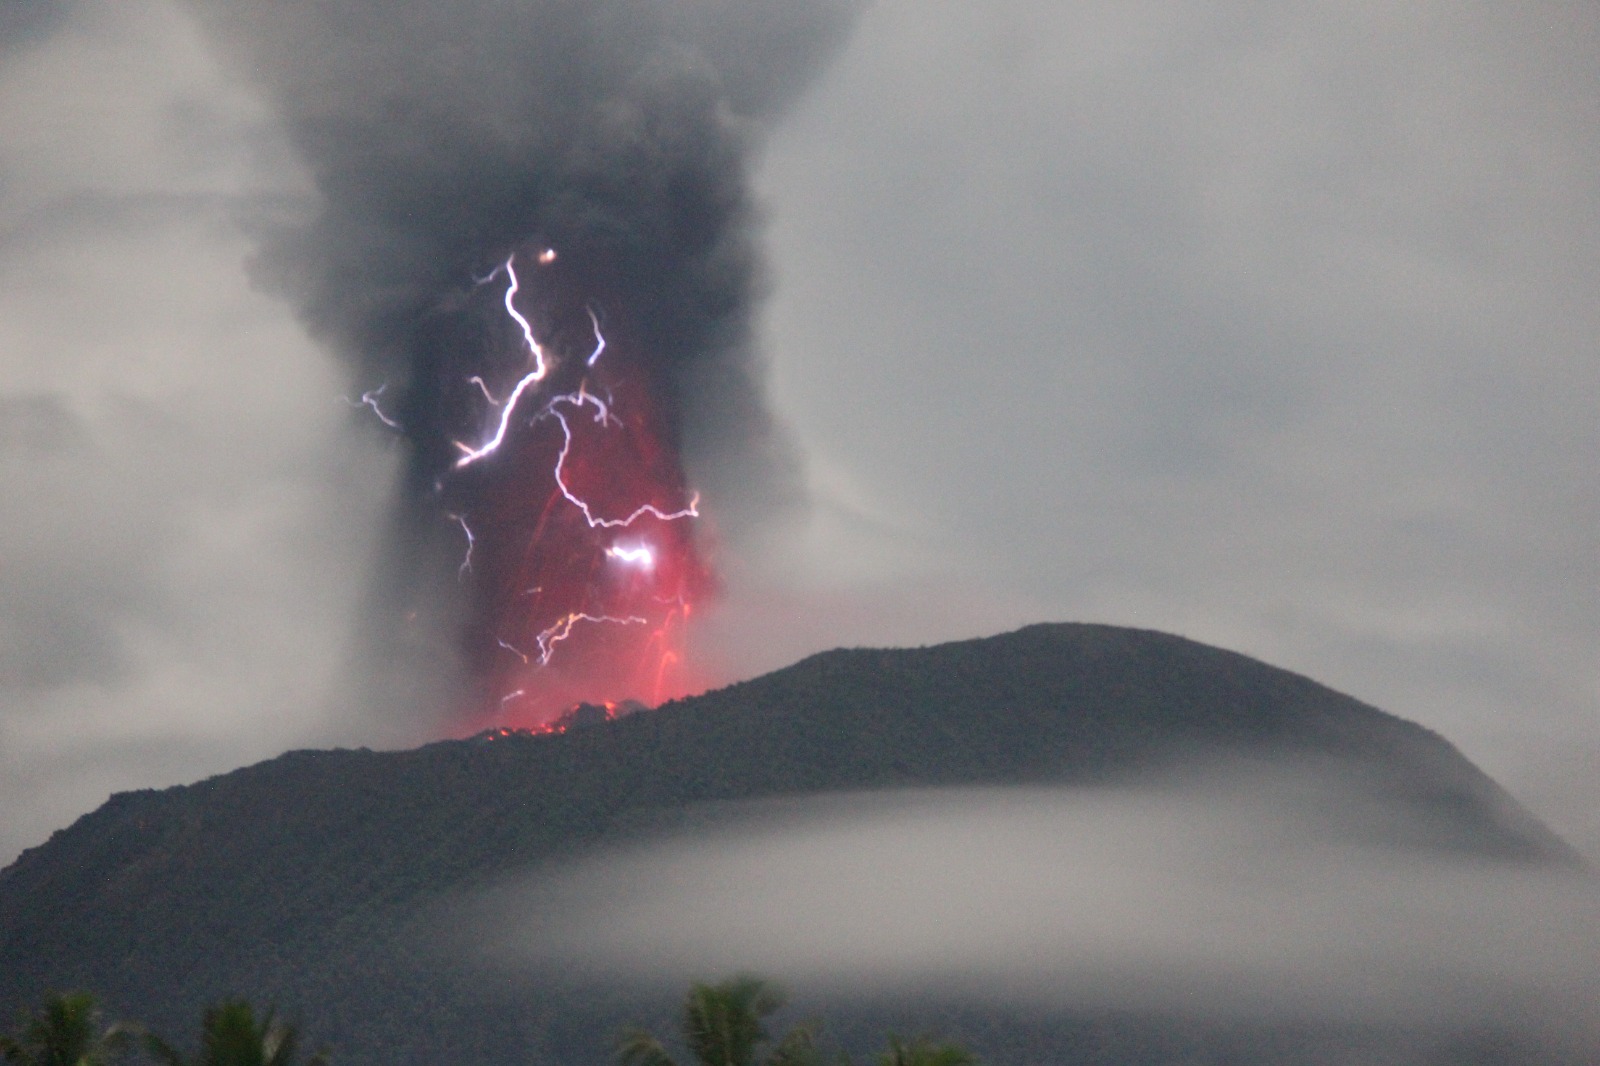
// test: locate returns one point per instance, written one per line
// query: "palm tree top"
(65, 1031)
(230, 1035)
(724, 1025)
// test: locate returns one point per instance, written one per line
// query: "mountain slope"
(302, 879)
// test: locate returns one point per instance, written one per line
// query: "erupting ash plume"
(571, 503)
(534, 239)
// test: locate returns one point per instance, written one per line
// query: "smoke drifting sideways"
(535, 241)
(1237, 894)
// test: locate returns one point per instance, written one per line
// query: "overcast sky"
(1272, 325)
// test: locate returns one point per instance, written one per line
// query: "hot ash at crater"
(578, 716)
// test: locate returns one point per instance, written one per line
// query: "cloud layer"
(1255, 895)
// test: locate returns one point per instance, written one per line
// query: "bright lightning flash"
(640, 556)
(691, 511)
(542, 551)
(466, 560)
(370, 399)
(532, 377)
(563, 629)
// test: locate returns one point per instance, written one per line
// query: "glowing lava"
(580, 548)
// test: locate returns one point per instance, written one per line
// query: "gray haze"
(1271, 325)
(1246, 895)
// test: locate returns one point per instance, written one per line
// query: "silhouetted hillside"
(301, 880)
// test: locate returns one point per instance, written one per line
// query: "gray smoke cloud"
(441, 138)
(1250, 895)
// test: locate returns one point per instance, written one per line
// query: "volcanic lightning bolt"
(369, 399)
(466, 558)
(542, 527)
(634, 556)
(532, 377)
(595, 522)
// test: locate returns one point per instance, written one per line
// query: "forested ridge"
(306, 880)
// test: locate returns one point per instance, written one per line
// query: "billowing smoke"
(535, 242)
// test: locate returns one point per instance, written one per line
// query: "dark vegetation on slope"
(302, 879)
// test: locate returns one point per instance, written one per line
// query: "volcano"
(314, 881)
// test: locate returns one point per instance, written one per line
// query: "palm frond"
(722, 1023)
(925, 1051)
(639, 1048)
(797, 1048)
(65, 1030)
(278, 1042)
(229, 1035)
(160, 1050)
(121, 1036)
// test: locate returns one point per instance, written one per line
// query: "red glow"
(578, 716)
(573, 609)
